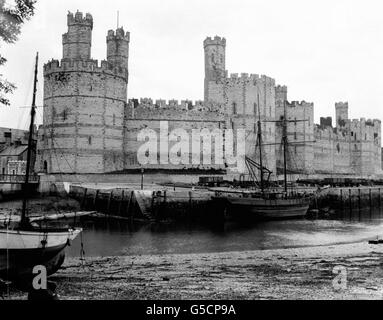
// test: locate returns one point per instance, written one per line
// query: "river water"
(109, 238)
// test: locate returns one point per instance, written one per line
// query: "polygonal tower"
(77, 42)
(215, 57)
(118, 48)
(84, 103)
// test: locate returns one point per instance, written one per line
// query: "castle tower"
(118, 48)
(280, 95)
(214, 67)
(341, 112)
(84, 104)
(77, 41)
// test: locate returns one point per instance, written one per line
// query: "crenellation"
(119, 34)
(215, 41)
(93, 66)
(78, 18)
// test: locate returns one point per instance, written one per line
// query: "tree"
(12, 17)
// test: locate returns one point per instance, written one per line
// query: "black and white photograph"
(211, 151)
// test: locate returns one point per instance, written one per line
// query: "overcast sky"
(324, 51)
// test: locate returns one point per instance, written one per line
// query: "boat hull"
(21, 251)
(263, 209)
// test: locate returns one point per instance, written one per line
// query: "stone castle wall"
(184, 115)
(90, 126)
(300, 134)
(352, 147)
(84, 102)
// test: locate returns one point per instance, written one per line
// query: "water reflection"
(113, 237)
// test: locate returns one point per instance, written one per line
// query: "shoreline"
(295, 273)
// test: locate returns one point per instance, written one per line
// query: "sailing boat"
(24, 245)
(264, 202)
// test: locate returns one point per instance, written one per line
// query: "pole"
(284, 140)
(259, 135)
(142, 178)
(84, 198)
(24, 219)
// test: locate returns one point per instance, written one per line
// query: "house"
(13, 159)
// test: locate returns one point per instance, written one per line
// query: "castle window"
(295, 136)
(234, 108)
(90, 88)
(89, 140)
(114, 119)
(64, 114)
(295, 149)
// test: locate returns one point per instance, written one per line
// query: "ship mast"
(24, 219)
(259, 138)
(284, 142)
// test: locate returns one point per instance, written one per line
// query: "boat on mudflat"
(22, 250)
(24, 244)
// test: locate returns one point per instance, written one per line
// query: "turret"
(77, 41)
(214, 61)
(214, 57)
(341, 111)
(280, 94)
(118, 48)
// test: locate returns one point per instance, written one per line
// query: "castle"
(90, 125)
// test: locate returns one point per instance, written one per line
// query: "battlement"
(252, 78)
(119, 34)
(216, 41)
(341, 105)
(149, 103)
(54, 66)
(281, 88)
(79, 19)
(302, 103)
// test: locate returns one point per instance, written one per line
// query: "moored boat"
(257, 207)
(263, 202)
(24, 245)
(22, 250)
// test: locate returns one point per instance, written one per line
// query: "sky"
(323, 51)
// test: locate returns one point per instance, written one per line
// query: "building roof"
(15, 150)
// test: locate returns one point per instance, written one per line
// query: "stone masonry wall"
(84, 102)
